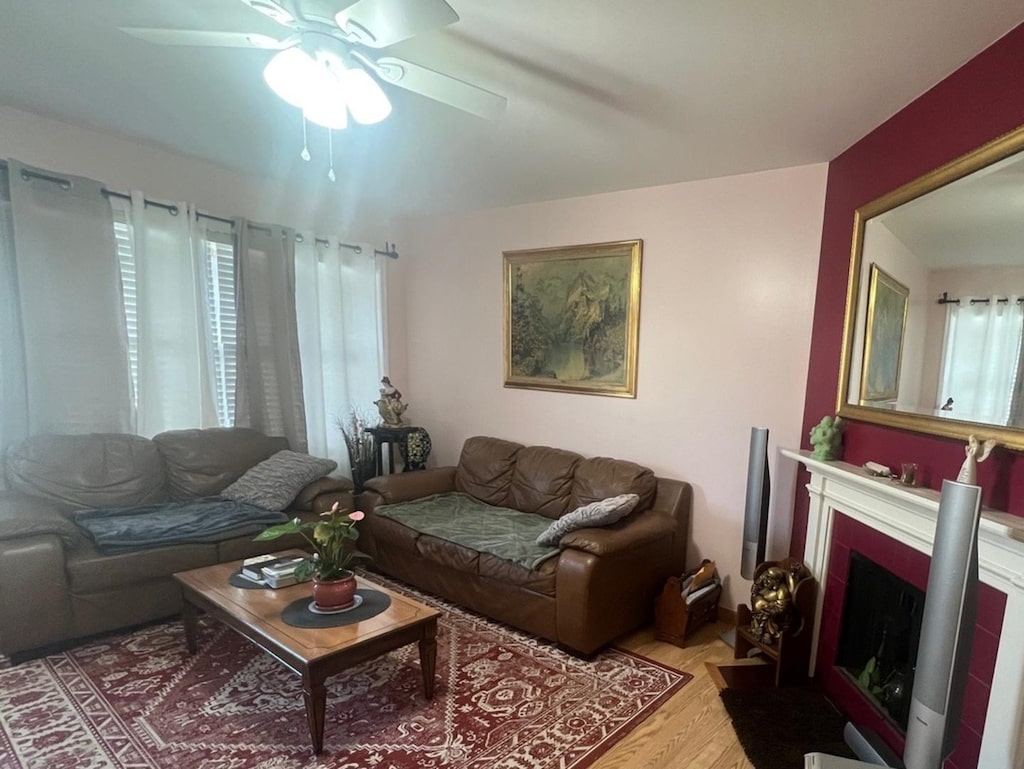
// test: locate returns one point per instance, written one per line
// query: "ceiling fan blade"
(434, 85)
(202, 37)
(272, 10)
(380, 23)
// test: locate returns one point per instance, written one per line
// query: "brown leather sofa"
(604, 581)
(54, 584)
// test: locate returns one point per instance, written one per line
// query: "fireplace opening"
(879, 636)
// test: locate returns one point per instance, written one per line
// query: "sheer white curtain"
(338, 306)
(980, 359)
(174, 382)
(13, 392)
(68, 283)
(268, 395)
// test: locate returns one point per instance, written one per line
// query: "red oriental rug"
(503, 699)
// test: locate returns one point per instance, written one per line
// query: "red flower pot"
(335, 593)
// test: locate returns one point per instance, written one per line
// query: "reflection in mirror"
(935, 311)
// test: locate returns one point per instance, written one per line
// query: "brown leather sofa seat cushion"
(201, 463)
(540, 580)
(542, 481)
(90, 572)
(95, 470)
(598, 478)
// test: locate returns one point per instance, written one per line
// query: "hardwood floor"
(691, 730)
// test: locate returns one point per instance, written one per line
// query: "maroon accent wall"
(979, 102)
(911, 566)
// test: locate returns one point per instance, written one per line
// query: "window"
(219, 297)
(222, 319)
(126, 258)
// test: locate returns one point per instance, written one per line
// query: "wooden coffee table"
(312, 653)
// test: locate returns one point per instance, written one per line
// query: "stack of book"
(271, 571)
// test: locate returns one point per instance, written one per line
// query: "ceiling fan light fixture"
(329, 113)
(294, 76)
(366, 99)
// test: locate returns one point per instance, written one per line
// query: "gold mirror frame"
(996, 150)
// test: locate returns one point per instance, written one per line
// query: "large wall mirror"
(934, 331)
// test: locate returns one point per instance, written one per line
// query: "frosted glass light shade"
(293, 75)
(324, 90)
(329, 112)
(366, 100)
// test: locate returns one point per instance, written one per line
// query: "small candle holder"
(908, 473)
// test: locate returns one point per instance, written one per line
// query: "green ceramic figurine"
(827, 437)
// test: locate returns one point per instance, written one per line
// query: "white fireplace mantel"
(908, 515)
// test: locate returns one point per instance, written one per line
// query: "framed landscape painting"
(572, 318)
(883, 342)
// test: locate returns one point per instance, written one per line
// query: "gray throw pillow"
(600, 513)
(276, 481)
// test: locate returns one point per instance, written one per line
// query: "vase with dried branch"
(361, 452)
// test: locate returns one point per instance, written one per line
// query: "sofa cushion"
(90, 572)
(464, 520)
(276, 481)
(485, 469)
(201, 463)
(542, 480)
(601, 513)
(94, 470)
(540, 580)
(598, 478)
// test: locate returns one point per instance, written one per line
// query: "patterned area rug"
(503, 699)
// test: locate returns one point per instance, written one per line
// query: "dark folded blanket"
(211, 519)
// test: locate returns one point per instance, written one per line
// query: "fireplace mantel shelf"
(909, 515)
(997, 529)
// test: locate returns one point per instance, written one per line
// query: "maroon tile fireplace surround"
(912, 566)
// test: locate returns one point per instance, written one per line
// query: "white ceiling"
(602, 95)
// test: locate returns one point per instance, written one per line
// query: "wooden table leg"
(428, 657)
(190, 619)
(315, 694)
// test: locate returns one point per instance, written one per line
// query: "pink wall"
(977, 103)
(728, 280)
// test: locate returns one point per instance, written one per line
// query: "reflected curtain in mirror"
(981, 359)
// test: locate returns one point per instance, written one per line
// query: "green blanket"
(465, 520)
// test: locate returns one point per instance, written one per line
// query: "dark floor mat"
(776, 727)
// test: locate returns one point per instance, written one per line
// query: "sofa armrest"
(636, 531)
(402, 487)
(22, 515)
(310, 494)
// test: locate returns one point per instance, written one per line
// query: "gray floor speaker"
(947, 629)
(755, 514)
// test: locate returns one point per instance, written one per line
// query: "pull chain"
(305, 148)
(330, 153)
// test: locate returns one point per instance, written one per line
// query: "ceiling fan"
(328, 65)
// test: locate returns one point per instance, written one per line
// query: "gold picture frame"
(888, 300)
(572, 318)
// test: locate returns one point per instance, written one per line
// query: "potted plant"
(333, 542)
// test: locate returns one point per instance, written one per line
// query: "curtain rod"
(65, 184)
(945, 299)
